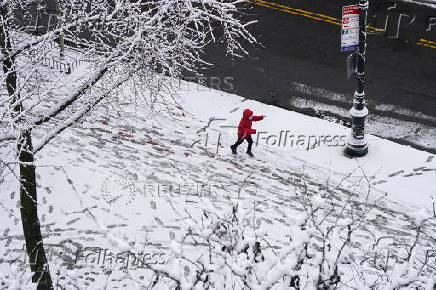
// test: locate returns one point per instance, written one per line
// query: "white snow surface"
(98, 182)
(405, 174)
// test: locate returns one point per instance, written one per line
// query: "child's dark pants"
(240, 141)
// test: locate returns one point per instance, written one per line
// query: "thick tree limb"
(71, 99)
(76, 116)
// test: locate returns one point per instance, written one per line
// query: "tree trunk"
(28, 195)
(29, 214)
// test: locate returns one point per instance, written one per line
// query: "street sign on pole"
(350, 28)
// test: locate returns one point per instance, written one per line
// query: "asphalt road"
(300, 45)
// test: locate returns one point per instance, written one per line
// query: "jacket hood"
(247, 113)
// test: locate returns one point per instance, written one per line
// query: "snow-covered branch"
(79, 113)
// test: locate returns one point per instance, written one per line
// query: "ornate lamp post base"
(357, 144)
(355, 150)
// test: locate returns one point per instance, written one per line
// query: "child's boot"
(233, 147)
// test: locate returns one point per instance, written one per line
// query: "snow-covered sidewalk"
(136, 180)
(407, 175)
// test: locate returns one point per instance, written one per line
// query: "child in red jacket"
(245, 130)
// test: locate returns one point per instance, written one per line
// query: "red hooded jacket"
(244, 128)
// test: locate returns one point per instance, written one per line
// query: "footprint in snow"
(412, 174)
(379, 182)
(72, 221)
(396, 173)
(158, 221)
(8, 242)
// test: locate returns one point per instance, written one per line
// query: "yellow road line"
(374, 29)
(426, 45)
(323, 18)
(329, 17)
(295, 11)
(427, 41)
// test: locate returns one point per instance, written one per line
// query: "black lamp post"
(357, 145)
